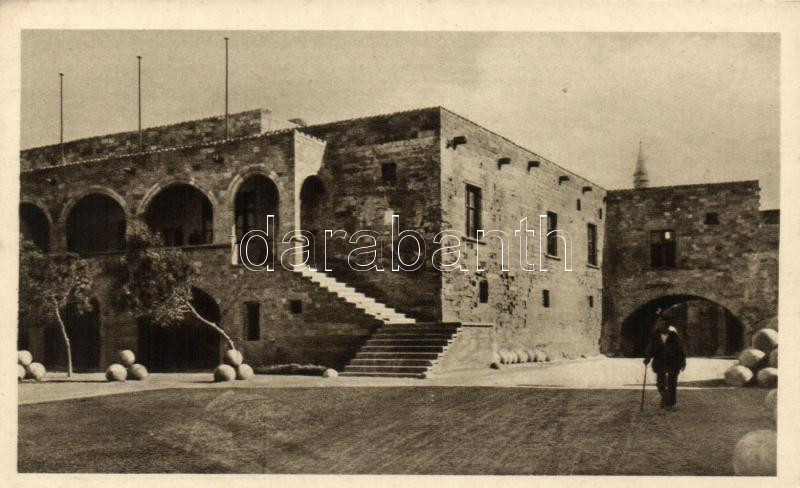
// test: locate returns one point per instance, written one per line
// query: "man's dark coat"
(668, 355)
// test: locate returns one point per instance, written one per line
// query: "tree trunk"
(66, 339)
(212, 325)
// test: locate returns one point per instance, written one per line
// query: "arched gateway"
(706, 327)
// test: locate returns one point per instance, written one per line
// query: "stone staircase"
(368, 305)
(403, 350)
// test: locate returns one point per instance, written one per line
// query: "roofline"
(688, 185)
(521, 147)
(279, 131)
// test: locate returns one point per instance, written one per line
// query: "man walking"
(669, 359)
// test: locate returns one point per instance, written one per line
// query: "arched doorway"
(312, 196)
(256, 198)
(34, 225)
(186, 346)
(83, 330)
(96, 223)
(182, 215)
(706, 327)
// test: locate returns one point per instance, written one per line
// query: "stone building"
(437, 172)
(703, 257)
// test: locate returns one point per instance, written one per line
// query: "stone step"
(384, 375)
(412, 341)
(398, 355)
(386, 369)
(391, 362)
(360, 301)
(437, 349)
(405, 335)
(414, 329)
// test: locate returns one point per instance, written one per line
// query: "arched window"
(182, 215)
(256, 198)
(96, 223)
(34, 226)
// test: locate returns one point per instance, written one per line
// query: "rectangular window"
(662, 249)
(552, 239)
(484, 291)
(599, 214)
(591, 301)
(473, 204)
(591, 239)
(546, 298)
(295, 306)
(389, 173)
(252, 322)
(578, 205)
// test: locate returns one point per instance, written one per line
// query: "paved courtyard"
(577, 417)
(590, 373)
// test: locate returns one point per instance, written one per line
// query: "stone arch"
(188, 345)
(35, 224)
(256, 196)
(181, 211)
(708, 327)
(163, 185)
(249, 172)
(94, 189)
(95, 222)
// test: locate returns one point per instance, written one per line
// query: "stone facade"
(354, 175)
(526, 187)
(725, 252)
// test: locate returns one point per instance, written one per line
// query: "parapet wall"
(199, 131)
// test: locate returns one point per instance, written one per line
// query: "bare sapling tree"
(156, 282)
(48, 283)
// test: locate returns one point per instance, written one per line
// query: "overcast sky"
(706, 106)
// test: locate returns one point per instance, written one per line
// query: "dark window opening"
(182, 215)
(245, 211)
(552, 239)
(591, 238)
(173, 237)
(389, 173)
(712, 218)
(591, 301)
(253, 321)
(600, 213)
(546, 298)
(578, 204)
(473, 204)
(484, 291)
(95, 224)
(295, 306)
(662, 249)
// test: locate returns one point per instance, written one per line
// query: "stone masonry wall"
(728, 263)
(357, 198)
(570, 326)
(328, 330)
(191, 132)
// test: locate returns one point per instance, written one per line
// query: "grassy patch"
(425, 430)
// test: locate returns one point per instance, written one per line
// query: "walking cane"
(644, 381)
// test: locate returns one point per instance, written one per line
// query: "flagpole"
(226, 88)
(139, 60)
(61, 114)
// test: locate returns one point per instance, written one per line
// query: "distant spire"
(640, 178)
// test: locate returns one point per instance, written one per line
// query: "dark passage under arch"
(187, 346)
(706, 327)
(83, 330)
